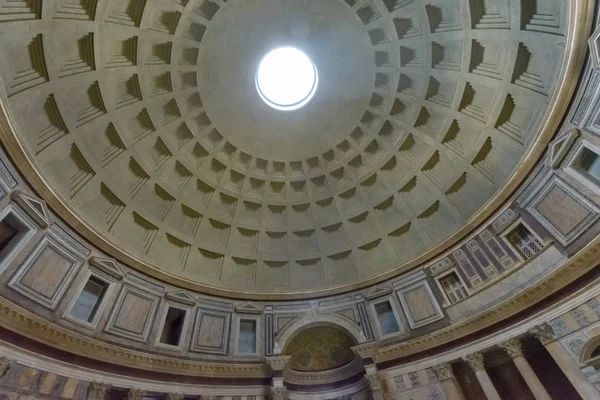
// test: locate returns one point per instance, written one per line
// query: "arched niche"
(336, 321)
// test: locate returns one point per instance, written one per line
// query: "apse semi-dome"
(141, 125)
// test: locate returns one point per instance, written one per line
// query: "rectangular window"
(453, 287)
(173, 326)
(7, 233)
(588, 164)
(387, 318)
(524, 241)
(247, 336)
(89, 299)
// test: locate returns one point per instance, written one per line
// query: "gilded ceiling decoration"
(319, 349)
(143, 122)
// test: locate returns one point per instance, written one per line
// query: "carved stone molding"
(443, 371)
(594, 44)
(97, 391)
(543, 333)
(374, 381)
(559, 147)
(174, 396)
(36, 208)
(181, 296)
(278, 363)
(20, 320)
(5, 365)
(580, 263)
(136, 394)
(109, 266)
(475, 361)
(278, 393)
(512, 347)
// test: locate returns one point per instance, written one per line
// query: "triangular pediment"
(249, 308)
(378, 291)
(594, 43)
(558, 148)
(181, 296)
(34, 207)
(108, 266)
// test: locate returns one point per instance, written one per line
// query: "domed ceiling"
(319, 349)
(141, 125)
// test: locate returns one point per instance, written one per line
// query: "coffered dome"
(142, 126)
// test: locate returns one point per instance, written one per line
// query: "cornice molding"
(582, 262)
(31, 326)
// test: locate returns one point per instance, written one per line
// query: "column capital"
(135, 394)
(543, 333)
(443, 371)
(512, 347)
(97, 390)
(475, 361)
(278, 393)
(5, 365)
(174, 396)
(374, 381)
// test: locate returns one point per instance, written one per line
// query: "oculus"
(286, 79)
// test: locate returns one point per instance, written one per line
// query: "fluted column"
(448, 381)
(97, 391)
(514, 349)
(565, 362)
(477, 364)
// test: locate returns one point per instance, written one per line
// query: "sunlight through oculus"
(286, 79)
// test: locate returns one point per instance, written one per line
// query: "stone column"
(278, 364)
(567, 364)
(514, 349)
(374, 381)
(135, 394)
(477, 364)
(448, 381)
(5, 365)
(97, 391)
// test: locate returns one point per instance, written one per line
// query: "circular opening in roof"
(287, 79)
